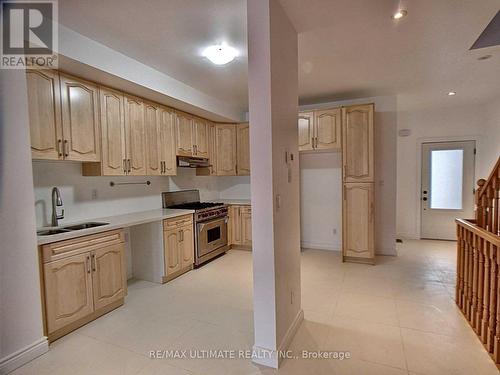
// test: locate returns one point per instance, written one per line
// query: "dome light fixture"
(220, 54)
(399, 14)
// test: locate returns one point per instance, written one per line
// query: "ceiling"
(347, 48)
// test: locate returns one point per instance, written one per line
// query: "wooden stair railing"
(478, 264)
(488, 201)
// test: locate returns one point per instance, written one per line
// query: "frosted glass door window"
(446, 179)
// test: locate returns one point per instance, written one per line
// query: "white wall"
(321, 200)
(324, 168)
(77, 191)
(460, 121)
(21, 331)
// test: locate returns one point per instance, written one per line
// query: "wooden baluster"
(496, 346)
(475, 267)
(496, 203)
(484, 205)
(460, 279)
(470, 276)
(465, 303)
(493, 299)
(486, 292)
(490, 199)
(480, 284)
(479, 206)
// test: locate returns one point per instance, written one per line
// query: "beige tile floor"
(397, 317)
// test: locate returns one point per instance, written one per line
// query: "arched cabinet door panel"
(357, 150)
(328, 129)
(306, 131)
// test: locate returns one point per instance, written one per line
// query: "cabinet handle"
(66, 148)
(124, 162)
(129, 166)
(161, 167)
(164, 166)
(181, 235)
(87, 263)
(59, 147)
(93, 263)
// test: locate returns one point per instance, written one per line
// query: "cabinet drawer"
(63, 249)
(177, 222)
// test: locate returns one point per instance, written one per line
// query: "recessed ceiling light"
(485, 57)
(452, 93)
(220, 54)
(399, 14)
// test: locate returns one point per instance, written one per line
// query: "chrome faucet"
(56, 202)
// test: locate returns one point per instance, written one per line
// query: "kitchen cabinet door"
(68, 290)
(243, 149)
(226, 149)
(187, 246)
(80, 119)
(184, 132)
(234, 225)
(357, 150)
(171, 241)
(200, 131)
(306, 131)
(246, 225)
(44, 108)
(112, 132)
(167, 142)
(108, 275)
(358, 221)
(152, 114)
(135, 136)
(328, 129)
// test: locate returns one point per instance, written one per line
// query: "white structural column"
(21, 329)
(273, 100)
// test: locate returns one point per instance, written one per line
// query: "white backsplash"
(93, 197)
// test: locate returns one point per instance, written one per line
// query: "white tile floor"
(397, 317)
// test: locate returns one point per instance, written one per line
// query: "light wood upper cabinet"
(167, 146)
(246, 225)
(108, 280)
(152, 115)
(184, 133)
(306, 131)
(328, 127)
(44, 107)
(187, 246)
(357, 152)
(225, 135)
(80, 119)
(68, 290)
(358, 221)
(135, 140)
(243, 149)
(112, 132)
(212, 149)
(201, 136)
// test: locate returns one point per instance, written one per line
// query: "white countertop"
(115, 222)
(240, 202)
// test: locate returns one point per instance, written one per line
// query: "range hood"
(192, 162)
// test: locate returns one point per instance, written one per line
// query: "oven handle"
(201, 225)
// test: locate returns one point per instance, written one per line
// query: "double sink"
(69, 228)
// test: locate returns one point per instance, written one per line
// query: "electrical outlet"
(94, 194)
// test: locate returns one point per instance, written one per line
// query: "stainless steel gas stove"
(210, 221)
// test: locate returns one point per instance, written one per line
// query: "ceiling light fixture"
(220, 54)
(452, 93)
(399, 14)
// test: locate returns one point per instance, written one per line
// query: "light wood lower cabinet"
(240, 226)
(358, 223)
(83, 278)
(178, 242)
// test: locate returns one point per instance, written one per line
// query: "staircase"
(478, 264)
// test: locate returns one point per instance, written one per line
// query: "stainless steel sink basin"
(49, 232)
(84, 226)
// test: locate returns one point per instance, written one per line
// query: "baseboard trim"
(24, 355)
(321, 246)
(272, 358)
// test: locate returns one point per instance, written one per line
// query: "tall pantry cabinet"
(358, 184)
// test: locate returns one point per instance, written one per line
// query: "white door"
(447, 187)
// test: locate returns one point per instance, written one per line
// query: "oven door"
(212, 234)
